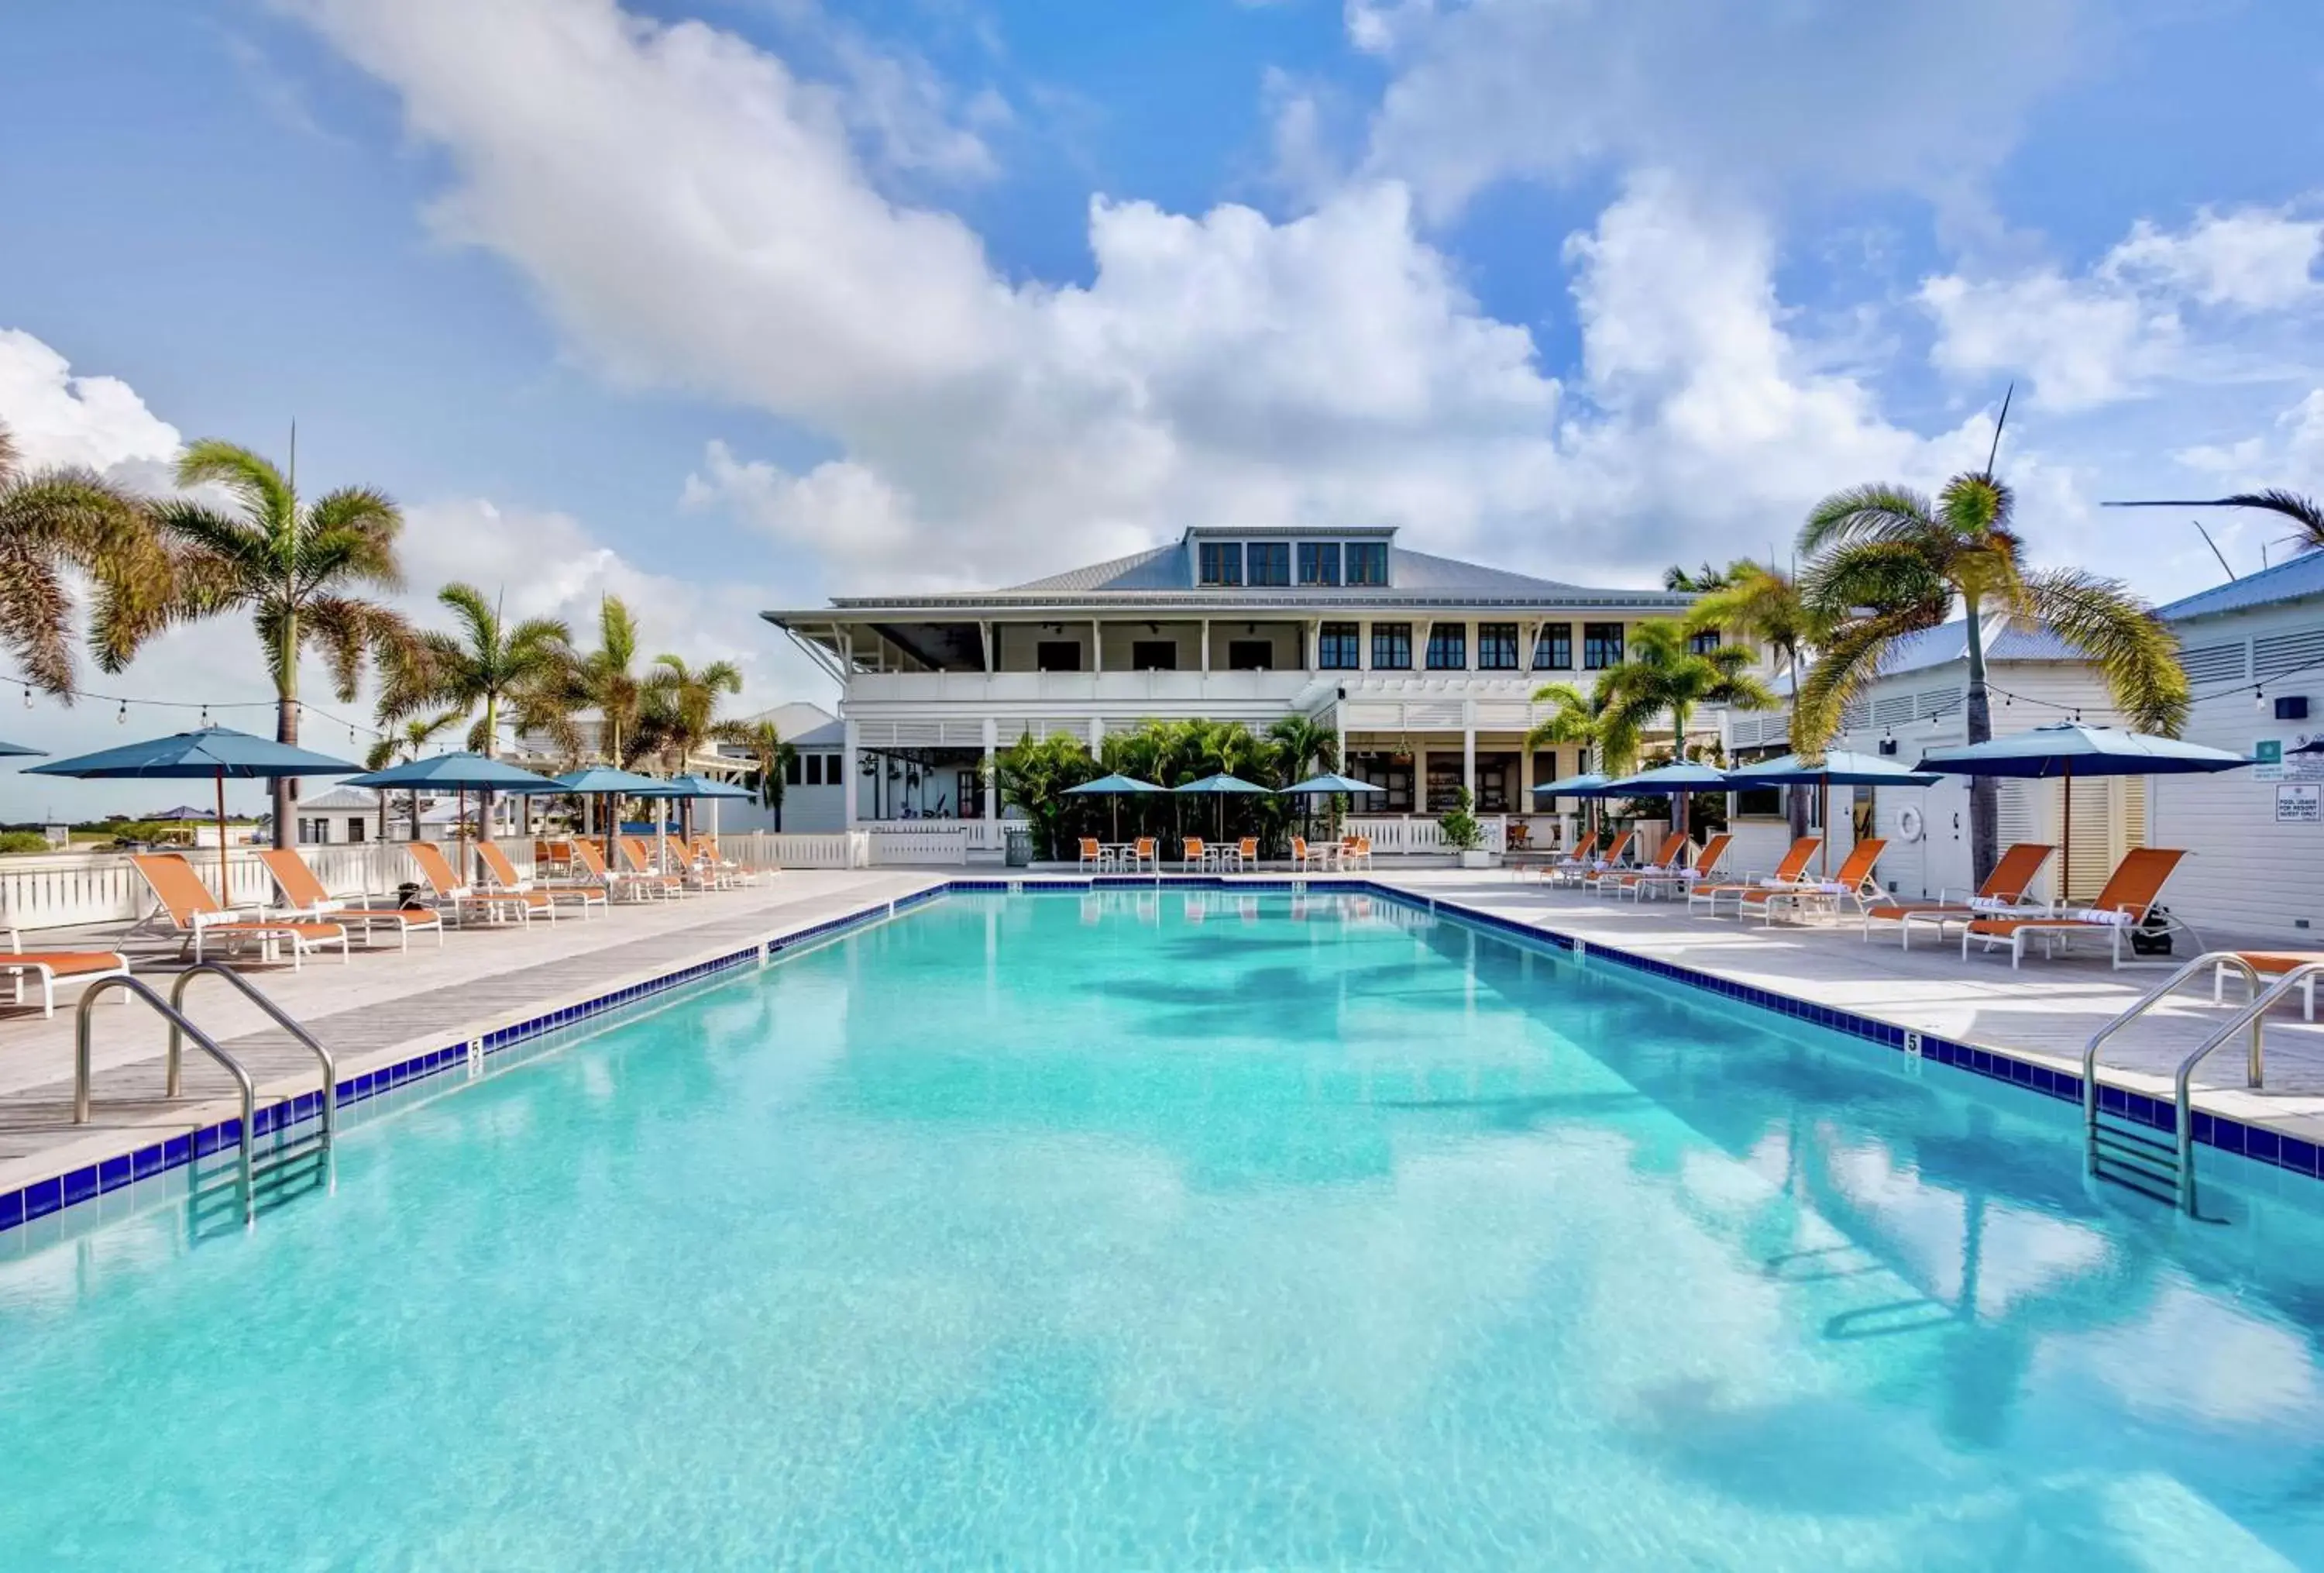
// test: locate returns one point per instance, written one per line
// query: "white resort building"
(1424, 666)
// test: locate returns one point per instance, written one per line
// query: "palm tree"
(294, 568)
(1763, 605)
(681, 711)
(1304, 746)
(404, 744)
(1702, 580)
(483, 666)
(1886, 561)
(1664, 675)
(606, 680)
(55, 523)
(770, 762)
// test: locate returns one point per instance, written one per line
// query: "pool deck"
(383, 1007)
(2044, 1012)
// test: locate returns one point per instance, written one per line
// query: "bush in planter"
(1462, 832)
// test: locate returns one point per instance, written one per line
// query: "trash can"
(1021, 844)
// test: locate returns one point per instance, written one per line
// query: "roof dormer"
(1289, 559)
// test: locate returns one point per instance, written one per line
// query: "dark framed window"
(1319, 563)
(1552, 647)
(1392, 646)
(814, 764)
(1388, 771)
(791, 770)
(1448, 647)
(1445, 782)
(1497, 647)
(1368, 562)
(1153, 655)
(1269, 562)
(355, 829)
(1704, 641)
(1601, 645)
(1337, 648)
(1250, 655)
(1220, 561)
(1057, 655)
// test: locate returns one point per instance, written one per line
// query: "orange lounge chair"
(1704, 865)
(616, 885)
(639, 867)
(540, 898)
(730, 870)
(1668, 861)
(303, 896)
(1583, 850)
(1193, 853)
(688, 864)
(50, 966)
(1246, 852)
(1583, 871)
(2122, 906)
(2003, 891)
(1853, 881)
(458, 897)
(1787, 872)
(2269, 964)
(194, 912)
(1092, 855)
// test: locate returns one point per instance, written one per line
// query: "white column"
(1206, 646)
(1097, 646)
(848, 773)
(985, 632)
(1363, 646)
(991, 781)
(1469, 746)
(1096, 734)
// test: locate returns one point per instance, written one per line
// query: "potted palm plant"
(1463, 834)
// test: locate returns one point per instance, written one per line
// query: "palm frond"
(473, 613)
(1848, 664)
(1848, 581)
(2133, 650)
(1876, 512)
(349, 631)
(261, 488)
(356, 528)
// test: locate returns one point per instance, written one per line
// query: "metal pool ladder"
(2132, 1154)
(172, 1010)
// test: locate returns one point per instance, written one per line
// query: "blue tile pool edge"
(40, 1198)
(2257, 1143)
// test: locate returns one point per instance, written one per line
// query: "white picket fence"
(52, 890)
(769, 849)
(976, 834)
(1400, 835)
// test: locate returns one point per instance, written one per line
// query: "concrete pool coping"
(421, 1032)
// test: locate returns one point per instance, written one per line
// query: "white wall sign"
(2300, 803)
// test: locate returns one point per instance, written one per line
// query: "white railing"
(978, 835)
(770, 849)
(1420, 835)
(53, 890)
(920, 844)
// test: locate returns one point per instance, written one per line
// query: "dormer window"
(1367, 562)
(1319, 563)
(1220, 563)
(1269, 561)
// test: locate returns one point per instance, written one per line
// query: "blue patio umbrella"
(1116, 786)
(214, 753)
(1329, 785)
(605, 781)
(1837, 767)
(688, 787)
(1223, 786)
(10, 750)
(1670, 781)
(462, 773)
(1589, 785)
(2068, 749)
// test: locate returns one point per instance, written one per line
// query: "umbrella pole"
(2065, 838)
(460, 834)
(1823, 822)
(226, 886)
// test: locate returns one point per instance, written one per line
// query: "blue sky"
(734, 303)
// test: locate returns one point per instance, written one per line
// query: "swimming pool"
(1182, 1229)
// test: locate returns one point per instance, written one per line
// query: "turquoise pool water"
(1196, 1230)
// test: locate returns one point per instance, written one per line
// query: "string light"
(122, 719)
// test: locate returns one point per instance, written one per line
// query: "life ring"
(1908, 823)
